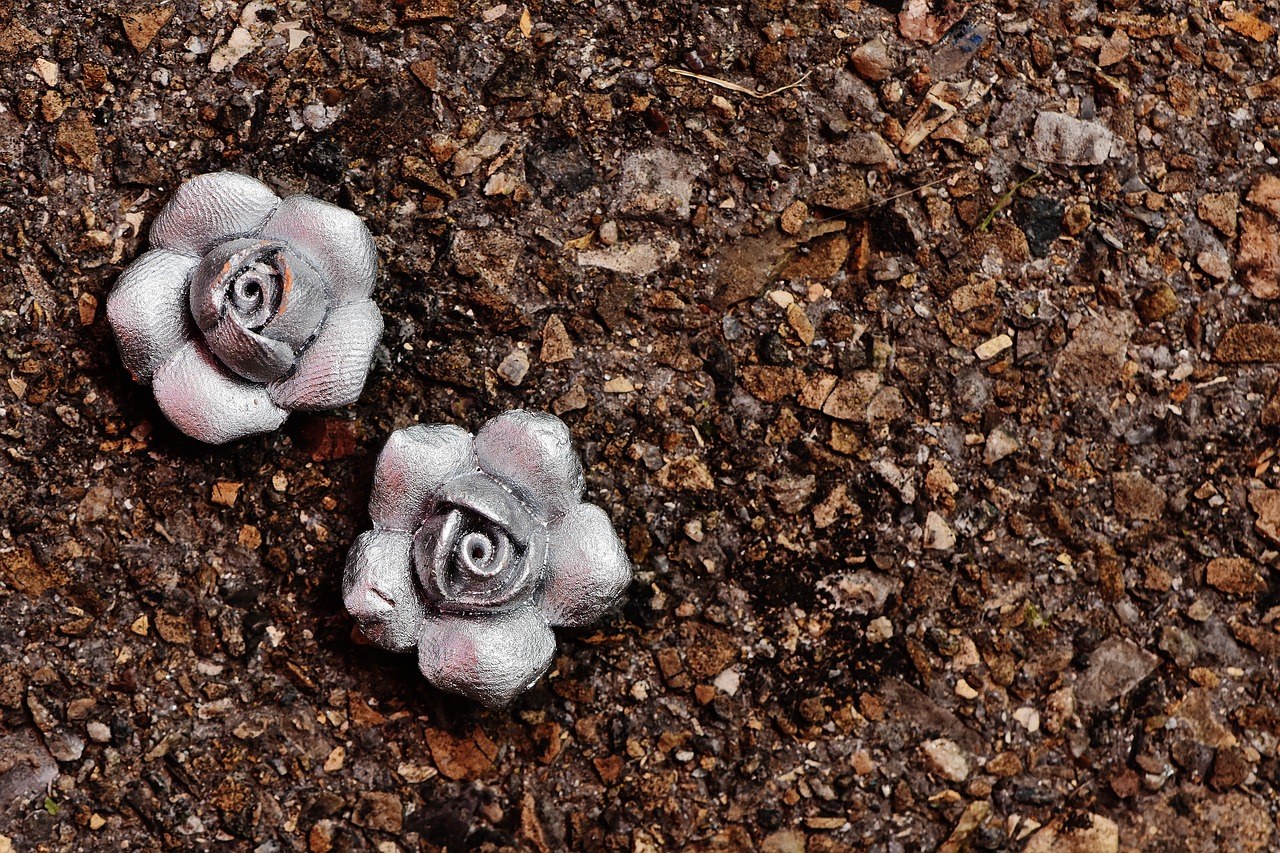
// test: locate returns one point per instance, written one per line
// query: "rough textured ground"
(934, 397)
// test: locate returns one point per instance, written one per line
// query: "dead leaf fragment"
(918, 22)
(466, 757)
(226, 492)
(141, 28)
(556, 343)
(686, 474)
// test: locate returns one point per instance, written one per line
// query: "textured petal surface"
(202, 399)
(490, 658)
(148, 310)
(412, 467)
(208, 209)
(303, 306)
(379, 590)
(532, 453)
(331, 239)
(332, 371)
(253, 356)
(587, 568)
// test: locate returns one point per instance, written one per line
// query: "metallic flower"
(480, 545)
(247, 307)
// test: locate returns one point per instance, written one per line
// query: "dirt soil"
(924, 357)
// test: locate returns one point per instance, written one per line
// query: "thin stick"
(1004, 200)
(734, 87)
(902, 194)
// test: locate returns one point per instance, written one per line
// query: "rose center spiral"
(478, 548)
(477, 553)
(258, 305)
(249, 293)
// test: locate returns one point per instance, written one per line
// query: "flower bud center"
(476, 550)
(254, 293)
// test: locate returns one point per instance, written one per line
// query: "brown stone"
(1234, 576)
(1220, 210)
(173, 629)
(426, 72)
(225, 493)
(710, 651)
(820, 259)
(1005, 765)
(1137, 498)
(1271, 410)
(360, 714)
(770, 384)
(1266, 504)
(794, 217)
(1230, 768)
(1249, 25)
(872, 61)
(1096, 355)
(849, 399)
(1258, 257)
(1077, 219)
(1249, 342)
(847, 191)
(76, 141)
(609, 768)
(1157, 302)
(378, 810)
(816, 390)
(327, 438)
(1110, 574)
(424, 173)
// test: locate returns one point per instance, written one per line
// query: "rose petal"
(332, 371)
(488, 498)
(253, 356)
(202, 399)
(412, 467)
(490, 658)
(379, 591)
(331, 239)
(148, 310)
(303, 305)
(210, 209)
(532, 453)
(587, 568)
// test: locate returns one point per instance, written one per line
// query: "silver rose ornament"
(248, 307)
(480, 545)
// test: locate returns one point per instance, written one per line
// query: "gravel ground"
(923, 355)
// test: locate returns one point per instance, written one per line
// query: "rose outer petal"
(532, 453)
(490, 658)
(587, 568)
(202, 399)
(148, 310)
(210, 209)
(413, 466)
(379, 592)
(332, 371)
(331, 239)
